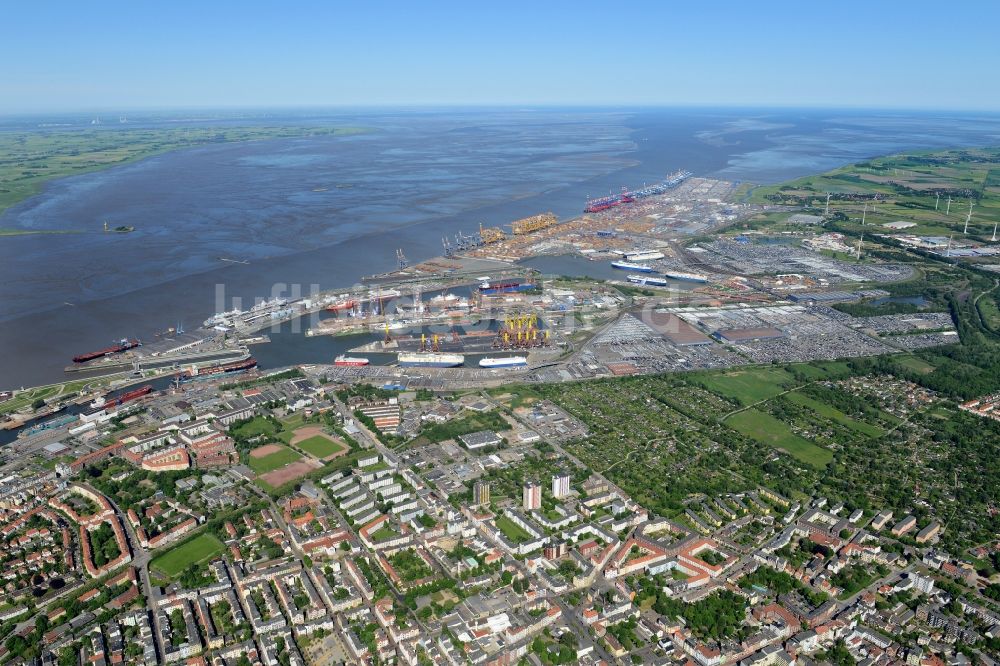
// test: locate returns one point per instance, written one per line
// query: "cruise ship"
(503, 362)
(626, 266)
(429, 360)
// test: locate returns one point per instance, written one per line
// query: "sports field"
(202, 548)
(321, 446)
(270, 457)
(768, 430)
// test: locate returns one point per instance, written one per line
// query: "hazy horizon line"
(433, 106)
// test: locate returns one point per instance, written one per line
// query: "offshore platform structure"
(520, 331)
(491, 234)
(401, 259)
(528, 225)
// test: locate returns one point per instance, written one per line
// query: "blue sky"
(69, 56)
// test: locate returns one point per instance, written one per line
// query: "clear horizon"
(122, 56)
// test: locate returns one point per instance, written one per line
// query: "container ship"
(350, 361)
(602, 203)
(686, 277)
(647, 280)
(504, 362)
(628, 196)
(489, 288)
(123, 345)
(626, 266)
(429, 360)
(106, 401)
(216, 371)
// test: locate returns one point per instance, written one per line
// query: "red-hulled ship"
(123, 345)
(214, 371)
(128, 397)
(341, 306)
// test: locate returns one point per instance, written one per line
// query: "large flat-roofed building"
(676, 330)
(748, 334)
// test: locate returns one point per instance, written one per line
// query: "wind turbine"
(968, 218)
(937, 200)
(827, 211)
(863, 213)
(947, 211)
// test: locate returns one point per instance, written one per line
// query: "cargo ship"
(508, 287)
(602, 203)
(629, 196)
(106, 401)
(686, 277)
(351, 361)
(123, 345)
(647, 280)
(503, 362)
(216, 371)
(626, 266)
(429, 360)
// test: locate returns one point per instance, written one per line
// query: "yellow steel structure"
(491, 234)
(534, 223)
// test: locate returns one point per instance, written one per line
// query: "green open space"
(834, 414)
(410, 566)
(468, 422)
(512, 530)
(749, 386)
(384, 533)
(198, 550)
(916, 364)
(255, 427)
(766, 429)
(321, 446)
(912, 187)
(273, 461)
